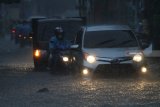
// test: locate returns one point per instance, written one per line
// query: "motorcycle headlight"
(138, 58)
(65, 59)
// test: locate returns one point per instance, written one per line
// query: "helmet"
(59, 33)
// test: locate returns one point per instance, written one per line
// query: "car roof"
(36, 17)
(60, 19)
(107, 27)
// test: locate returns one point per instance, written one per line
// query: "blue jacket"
(55, 44)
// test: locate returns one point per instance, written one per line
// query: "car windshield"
(110, 39)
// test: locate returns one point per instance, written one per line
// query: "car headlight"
(19, 36)
(30, 37)
(85, 72)
(137, 58)
(65, 59)
(143, 69)
(91, 59)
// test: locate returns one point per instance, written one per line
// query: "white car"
(106, 47)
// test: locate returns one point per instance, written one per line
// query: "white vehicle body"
(110, 49)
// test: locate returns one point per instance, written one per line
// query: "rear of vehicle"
(44, 31)
(110, 48)
(13, 30)
(13, 33)
(23, 34)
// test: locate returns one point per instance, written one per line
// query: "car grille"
(114, 68)
(117, 60)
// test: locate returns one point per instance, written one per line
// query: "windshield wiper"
(123, 43)
(104, 42)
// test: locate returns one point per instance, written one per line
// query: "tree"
(152, 15)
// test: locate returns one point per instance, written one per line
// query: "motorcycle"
(61, 61)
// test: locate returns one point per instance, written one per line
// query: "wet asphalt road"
(21, 86)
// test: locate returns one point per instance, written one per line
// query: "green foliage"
(155, 8)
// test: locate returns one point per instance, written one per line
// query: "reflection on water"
(88, 84)
(141, 85)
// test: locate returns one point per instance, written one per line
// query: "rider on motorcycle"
(57, 44)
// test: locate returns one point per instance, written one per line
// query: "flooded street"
(21, 86)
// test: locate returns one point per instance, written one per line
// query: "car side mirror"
(144, 44)
(74, 46)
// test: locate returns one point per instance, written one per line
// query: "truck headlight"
(65, 59)
(137, 58)
(37, 53)
(91, 59)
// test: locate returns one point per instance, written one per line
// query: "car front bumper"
(101, 66)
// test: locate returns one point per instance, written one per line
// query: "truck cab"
(43, 29)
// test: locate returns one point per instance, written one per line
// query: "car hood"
(112, 52)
